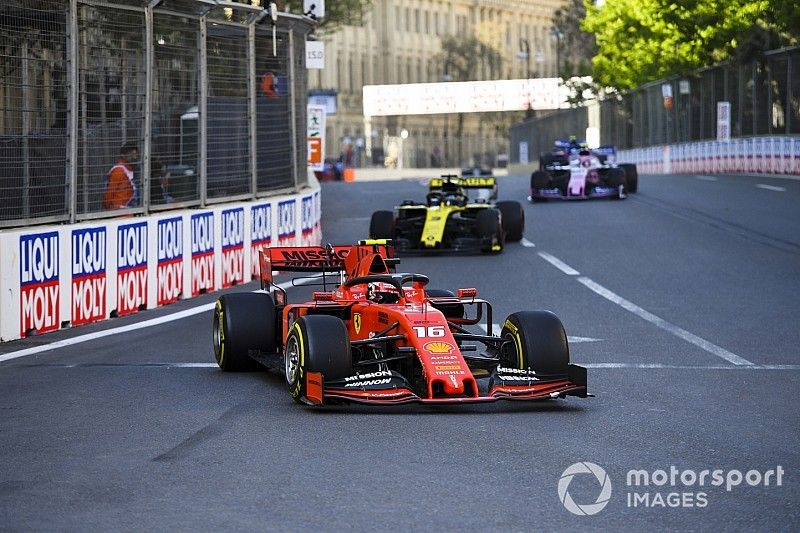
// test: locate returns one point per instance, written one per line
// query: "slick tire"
(616, 177)
(243, 321)
(540, 179)
(490, 230)
(381, 225)
(513, 220)
(316, 343)
(539, 343)
(448, 310)
(631, 176)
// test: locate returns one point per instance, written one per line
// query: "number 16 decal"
(431, 331)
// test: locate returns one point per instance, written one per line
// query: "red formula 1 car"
(380, 337)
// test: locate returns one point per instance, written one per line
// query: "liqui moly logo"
(287, 222)
(38, 276)
(169, 272)
(89, 282)
(232, 246)
(131, 268)
(261, 234)
(202, 253)
(308, 219)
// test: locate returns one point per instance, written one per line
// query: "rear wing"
(605, 150)
(466, 182)
(326, 259)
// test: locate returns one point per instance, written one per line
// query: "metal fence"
(193, 84)
(764, 98)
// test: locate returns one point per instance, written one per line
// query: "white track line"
(657, 366)
(771, 187)
(571, 340)
(526, 243)
(706, 178)
(559, 264)
(130, 327)
(663, 324)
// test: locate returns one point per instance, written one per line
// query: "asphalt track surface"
(682, 300)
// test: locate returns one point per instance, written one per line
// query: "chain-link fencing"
(185, 100)
(764, 97)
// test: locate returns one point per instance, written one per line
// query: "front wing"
(398, 391)
(557, 194)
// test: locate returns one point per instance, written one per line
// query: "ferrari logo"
(357, 322)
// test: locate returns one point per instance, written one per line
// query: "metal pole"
(251, 97)
(72, 110)
(148, 105)
(26, 130)
(84, 59)
(787, 113)
(202, 122)
(293, 110)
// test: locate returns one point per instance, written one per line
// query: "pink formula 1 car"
(580, 174)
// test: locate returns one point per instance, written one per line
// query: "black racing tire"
(631, 176)
(316, 343)
(513, 219)
(616, 178)
(448, 310)
(540, 179)
(243, 321)
(490, 230)
(381, 225)
(540, 342)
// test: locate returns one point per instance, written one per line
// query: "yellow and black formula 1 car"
(450, 221)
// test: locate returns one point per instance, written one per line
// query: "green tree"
(644, 40)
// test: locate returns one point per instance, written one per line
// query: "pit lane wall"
(54, 277)
(749, 155)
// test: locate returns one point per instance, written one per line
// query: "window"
(351, 84)
(416, 20)
(408, 19)
(363, 78)
(427, 23)
(436, 23)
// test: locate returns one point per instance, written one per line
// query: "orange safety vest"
(120, 189)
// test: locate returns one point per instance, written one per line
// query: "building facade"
(401, 42)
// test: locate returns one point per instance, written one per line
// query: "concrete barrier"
(54, 277)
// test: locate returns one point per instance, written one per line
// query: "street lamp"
(556, 32)
(525, 53)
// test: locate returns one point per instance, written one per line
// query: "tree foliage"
(578, 47)
(644, 40)
(466, 58)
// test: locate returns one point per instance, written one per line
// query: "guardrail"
(753, 155)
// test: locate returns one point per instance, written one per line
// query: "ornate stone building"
(401, 42)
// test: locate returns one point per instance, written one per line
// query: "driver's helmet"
(453, 194)
(381, 292)
(585, 149)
